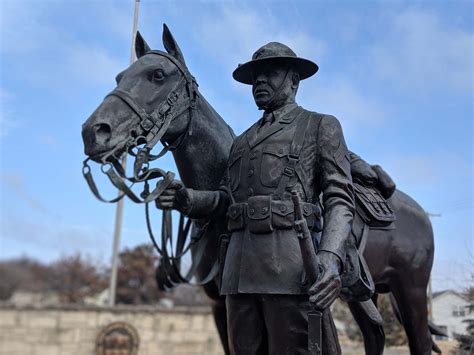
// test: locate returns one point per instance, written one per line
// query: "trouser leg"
(286, 320)
(246, 328)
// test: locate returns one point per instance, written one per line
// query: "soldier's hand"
(176, 196)
(326, 289)
(363, 172)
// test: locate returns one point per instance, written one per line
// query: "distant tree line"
(74, 277)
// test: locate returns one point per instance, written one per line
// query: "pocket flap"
(282, 208)
(276, 150)
(259, 207)
(235, 211)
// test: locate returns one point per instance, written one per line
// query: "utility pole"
(119, 210)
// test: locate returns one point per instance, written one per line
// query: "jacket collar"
(283, 116)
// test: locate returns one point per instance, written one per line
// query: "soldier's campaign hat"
(274, 52)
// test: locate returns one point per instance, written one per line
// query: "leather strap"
(302, 123)
(152, 128)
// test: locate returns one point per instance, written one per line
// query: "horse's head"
(150, 94)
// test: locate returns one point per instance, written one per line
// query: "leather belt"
(261, 214)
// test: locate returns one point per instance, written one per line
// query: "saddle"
(373, 211)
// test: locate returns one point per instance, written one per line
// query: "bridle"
(152, 127)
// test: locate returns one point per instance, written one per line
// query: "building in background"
(450, 312)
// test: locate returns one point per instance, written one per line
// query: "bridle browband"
(152, 127)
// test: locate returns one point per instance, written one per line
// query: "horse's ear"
(141, 47)
(171, 46)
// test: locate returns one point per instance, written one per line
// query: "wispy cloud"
(430, 170)
(50, 238)
(46, 52)
(16, 183)
(420, 52)
(342, 99)
(47, 139)
(234, 32)
(7, 121)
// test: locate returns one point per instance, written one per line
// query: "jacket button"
(280, 151)
(250, 191)
(264, 210)
(252, 211)
(252, 155)
(306, 209)
(251, 172)
(283, 208)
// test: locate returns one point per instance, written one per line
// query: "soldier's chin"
(261, 102)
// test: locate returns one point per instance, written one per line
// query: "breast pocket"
(235, 166)
(274, 160)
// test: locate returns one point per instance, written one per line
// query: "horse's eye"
(158, 75)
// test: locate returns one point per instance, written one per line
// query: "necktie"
(267, 120)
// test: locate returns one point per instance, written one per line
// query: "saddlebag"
(372, 207)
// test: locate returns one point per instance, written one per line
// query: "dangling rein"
(152, 128)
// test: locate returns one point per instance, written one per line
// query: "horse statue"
(157, 99)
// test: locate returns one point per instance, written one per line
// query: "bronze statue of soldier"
(288, 149)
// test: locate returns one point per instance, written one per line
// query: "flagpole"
(119, 210)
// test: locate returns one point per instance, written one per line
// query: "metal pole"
(119, 210)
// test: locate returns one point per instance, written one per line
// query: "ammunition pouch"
(235, 217)
(263, 215)
(259, 214)
(372, 207)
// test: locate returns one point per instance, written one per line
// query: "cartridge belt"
(262, 214)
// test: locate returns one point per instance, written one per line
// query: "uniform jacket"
(271, 263)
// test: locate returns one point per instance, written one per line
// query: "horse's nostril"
(102, 132)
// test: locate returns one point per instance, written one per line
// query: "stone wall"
(74, 330)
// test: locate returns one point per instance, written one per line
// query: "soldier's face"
(265, 82)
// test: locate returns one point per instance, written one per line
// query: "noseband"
(153, 125)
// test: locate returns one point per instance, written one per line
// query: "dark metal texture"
(315, 332)
(399, 259)
(310, 263)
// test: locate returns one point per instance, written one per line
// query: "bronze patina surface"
(240, 187)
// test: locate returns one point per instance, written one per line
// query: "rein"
(153, 125)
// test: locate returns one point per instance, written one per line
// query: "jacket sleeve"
(336, 186)
(211, 204)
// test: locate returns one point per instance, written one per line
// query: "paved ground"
(446, 347)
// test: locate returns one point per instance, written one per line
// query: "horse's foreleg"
(414, 313)
(374, 336)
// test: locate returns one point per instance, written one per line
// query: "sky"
(399, 75)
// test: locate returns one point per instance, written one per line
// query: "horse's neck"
(202, 157)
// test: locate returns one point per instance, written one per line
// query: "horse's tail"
(433, 328)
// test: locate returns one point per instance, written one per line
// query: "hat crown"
(273, 49)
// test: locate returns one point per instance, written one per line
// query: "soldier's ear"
(295, 80)
(141, 47)
(171, 46)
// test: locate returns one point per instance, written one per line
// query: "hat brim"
(305, 67)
